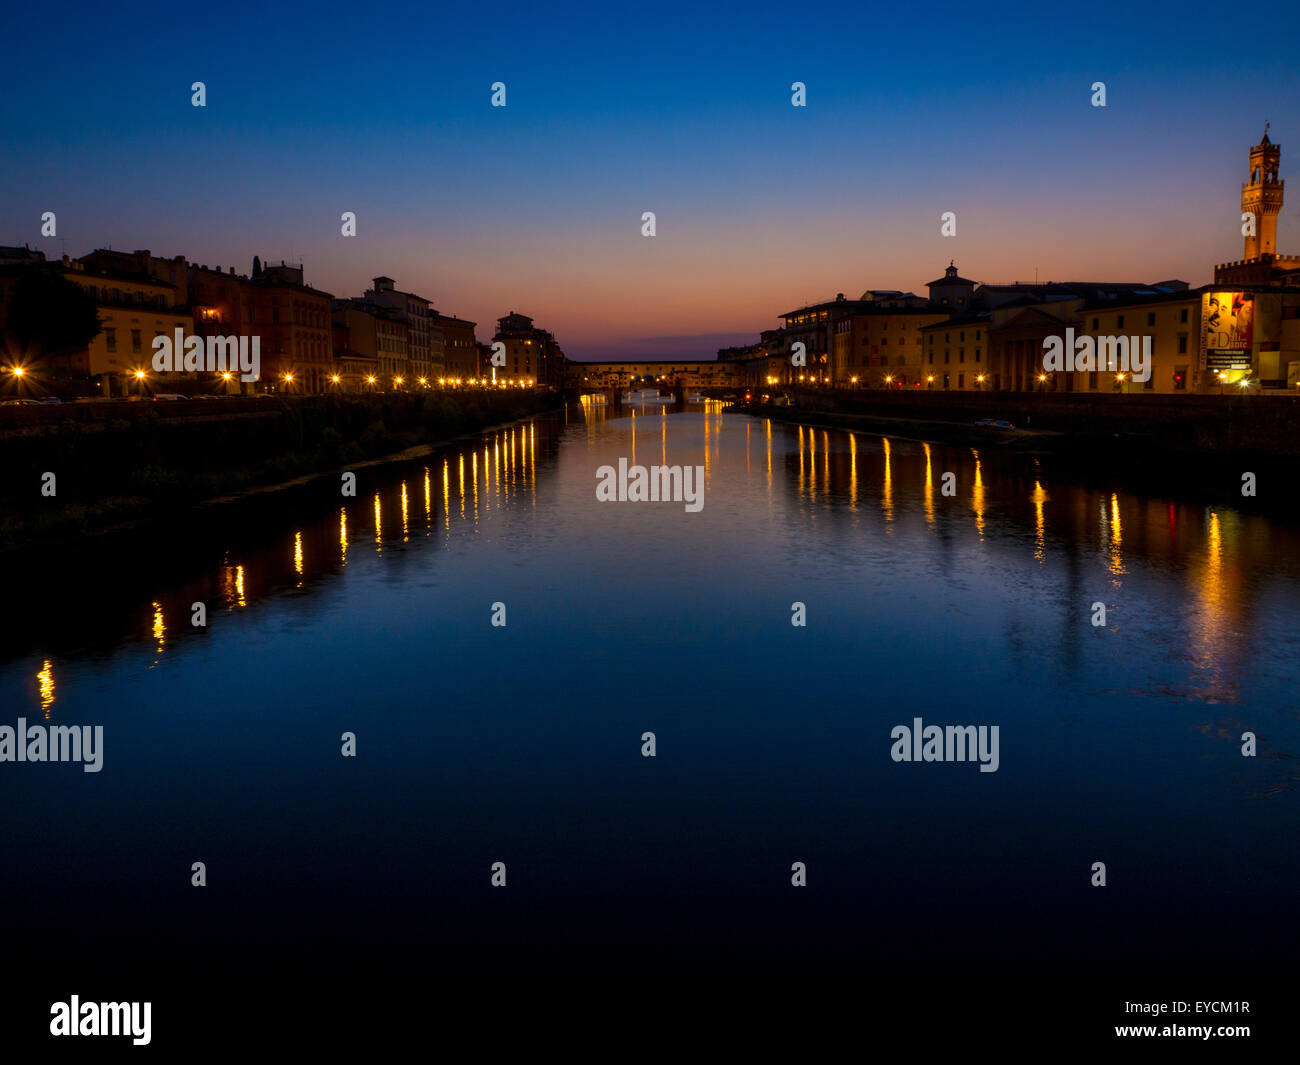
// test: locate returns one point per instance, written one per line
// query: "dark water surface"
(478, 744)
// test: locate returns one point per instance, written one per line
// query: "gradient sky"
(683, 110)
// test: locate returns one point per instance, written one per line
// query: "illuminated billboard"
(1227, 328)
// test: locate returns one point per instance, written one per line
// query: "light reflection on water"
(971, 606)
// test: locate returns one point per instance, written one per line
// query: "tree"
(50, 315)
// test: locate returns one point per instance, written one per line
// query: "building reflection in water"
(159, 631)
(928, 500)
(887, 489)
(45, 686)
(1040, 523)
(1081, 540)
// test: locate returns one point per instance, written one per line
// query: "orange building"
(293, 321)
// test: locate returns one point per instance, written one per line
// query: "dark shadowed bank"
(1189, 447)
(78, 470)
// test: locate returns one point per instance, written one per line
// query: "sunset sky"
(683, 110)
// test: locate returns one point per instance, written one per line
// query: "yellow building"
(1168, 325)
(955, 354)
(133, 309)
(881, 349)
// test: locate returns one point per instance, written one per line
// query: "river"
(521, 743)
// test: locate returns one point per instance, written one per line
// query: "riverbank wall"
(75, 469)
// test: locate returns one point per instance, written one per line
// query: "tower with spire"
(1261, 196)
(1261, 201)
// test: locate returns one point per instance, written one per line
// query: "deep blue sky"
(682, 110)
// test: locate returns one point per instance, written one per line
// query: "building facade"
(423, 340)
(532, 355)
(294, 323)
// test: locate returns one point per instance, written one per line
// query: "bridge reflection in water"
(951, 583)
(1225, 560)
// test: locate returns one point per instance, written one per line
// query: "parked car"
(50, 399)
(995, 423)
(165, 396)
(21, 403)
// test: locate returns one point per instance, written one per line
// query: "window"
(977, 354)
(963, 334)
(135, 341)
(1096, 324)
(961, 355)
(1182, 343)
(1182, 315)
(1180, 378)
(110, 338)
(961, 380)
(946, 338)
(1119, 321)
(932, 358)
(946, 359)
(275, 315)
(977, 334)
(1151, 317)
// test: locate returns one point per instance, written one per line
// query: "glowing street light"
(17, 371)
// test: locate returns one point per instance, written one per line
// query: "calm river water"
(522, 744)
